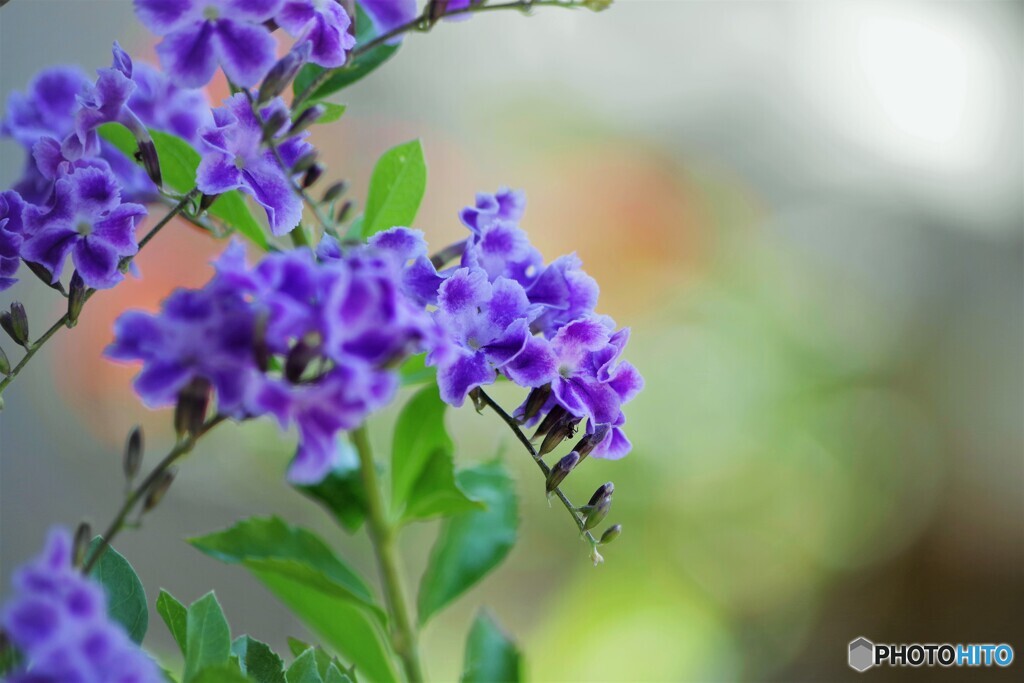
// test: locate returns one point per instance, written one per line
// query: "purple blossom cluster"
(309, 341)
(58, 620)
(504, 312)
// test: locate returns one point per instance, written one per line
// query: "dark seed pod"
(560, 431)
(5, 365)
(15, 323)
(610, 534)
(603, 491)
(334, 191)
(133, 450)
(83, 537)
(590, 441)
(283, 72)
(553, 416)
(535, 401)
(344, 211)
(304, 162)
(159, 489)
(312, 175)
(306, 119)
(77, 292)
(150, 160)
(561, 470)
(597, 513)
(190, 411)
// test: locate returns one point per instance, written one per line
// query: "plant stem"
(183, 447)
(513, 424)
(423, 24)
(382, 535)
(63, 321)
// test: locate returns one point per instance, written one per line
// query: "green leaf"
(397, 186)
(330, 599)
(355, 69)
(231, 208)
(341, 493)
(323, 660)
(336, 675)
(208, 637)
(175, 616)
(222, 673)
(120, 137)
(304, 669)
(126, 598)
(269, 544)
(257, 660)
(332, 112)
(491, 656)
(471, 544)
(178, 161)
(422, 476)
(415, 371)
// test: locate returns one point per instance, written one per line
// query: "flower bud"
(283, 72)
(158, 489)
(150, 160)
(306, 119)
(83, 536)
(206, 201)
(561, 470)
(132, 453)
(312, 175)
(549, 420)
(334, 191)
(15, 323)
(190, 411)
(277, 121)
(77, 293)
(304, 162)
(344, 211)
(436, 9)
(561, 430)
(478, 401)
(603, 491)
(534, 402)
(597, 512)
(610, 534)
(591, 441)
(5, 365)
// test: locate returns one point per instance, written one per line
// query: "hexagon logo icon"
(862, 654)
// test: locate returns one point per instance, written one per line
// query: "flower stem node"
(133, 450)
(159, 489)
(610, 534)
(15, 323)
(478, 400)
(190, 411)
(560, 471)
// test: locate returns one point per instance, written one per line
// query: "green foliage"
(491, 656)
(329, 668)
(178, 164)
(473, 543)
(397, 186)
(222, 673)
(355, 69)
(415, 371)
(304, 669)
(304, 574)
(423, 483)
(175, 616)
(257, 660)
(332, 112)
(207, 638)
(126, 598)
(343, 496)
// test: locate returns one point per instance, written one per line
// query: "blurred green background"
(811, 216)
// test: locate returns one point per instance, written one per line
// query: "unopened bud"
(344, 211)
(273, 125)
(553, 416)
(478, 399)
(561, 470)
(610, 534)
(77, 292)
(15, 323)
(534, 402)
(304, 162)
(190, 411)
(603, 491)
(159, 489)
(206, 201)
(436, 9)
(133, 449)
(312, 175)
(45, 275)
(5, 365)
(561, 430)
(597, 512)
(306, 119)
(83, 536)
(150, 160)
(591, 441)
(283, 72)
(334, 191)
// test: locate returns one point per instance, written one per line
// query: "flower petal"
(96, 261)
(468, 371)
(188, 55)
(245, 51)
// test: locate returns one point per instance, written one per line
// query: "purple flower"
(162, 105)
(565, 293)
(200, 34)
(420, 278)
(47, 108)
(12, 207)
(205, 334)
(324, 23)
(234, 158)
(389, 14)
(58, 619)
(104, 102)
(88, 220)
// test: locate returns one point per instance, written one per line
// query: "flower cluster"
(201, 35)
(505, 312)
(58, 620)
(309, 341)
